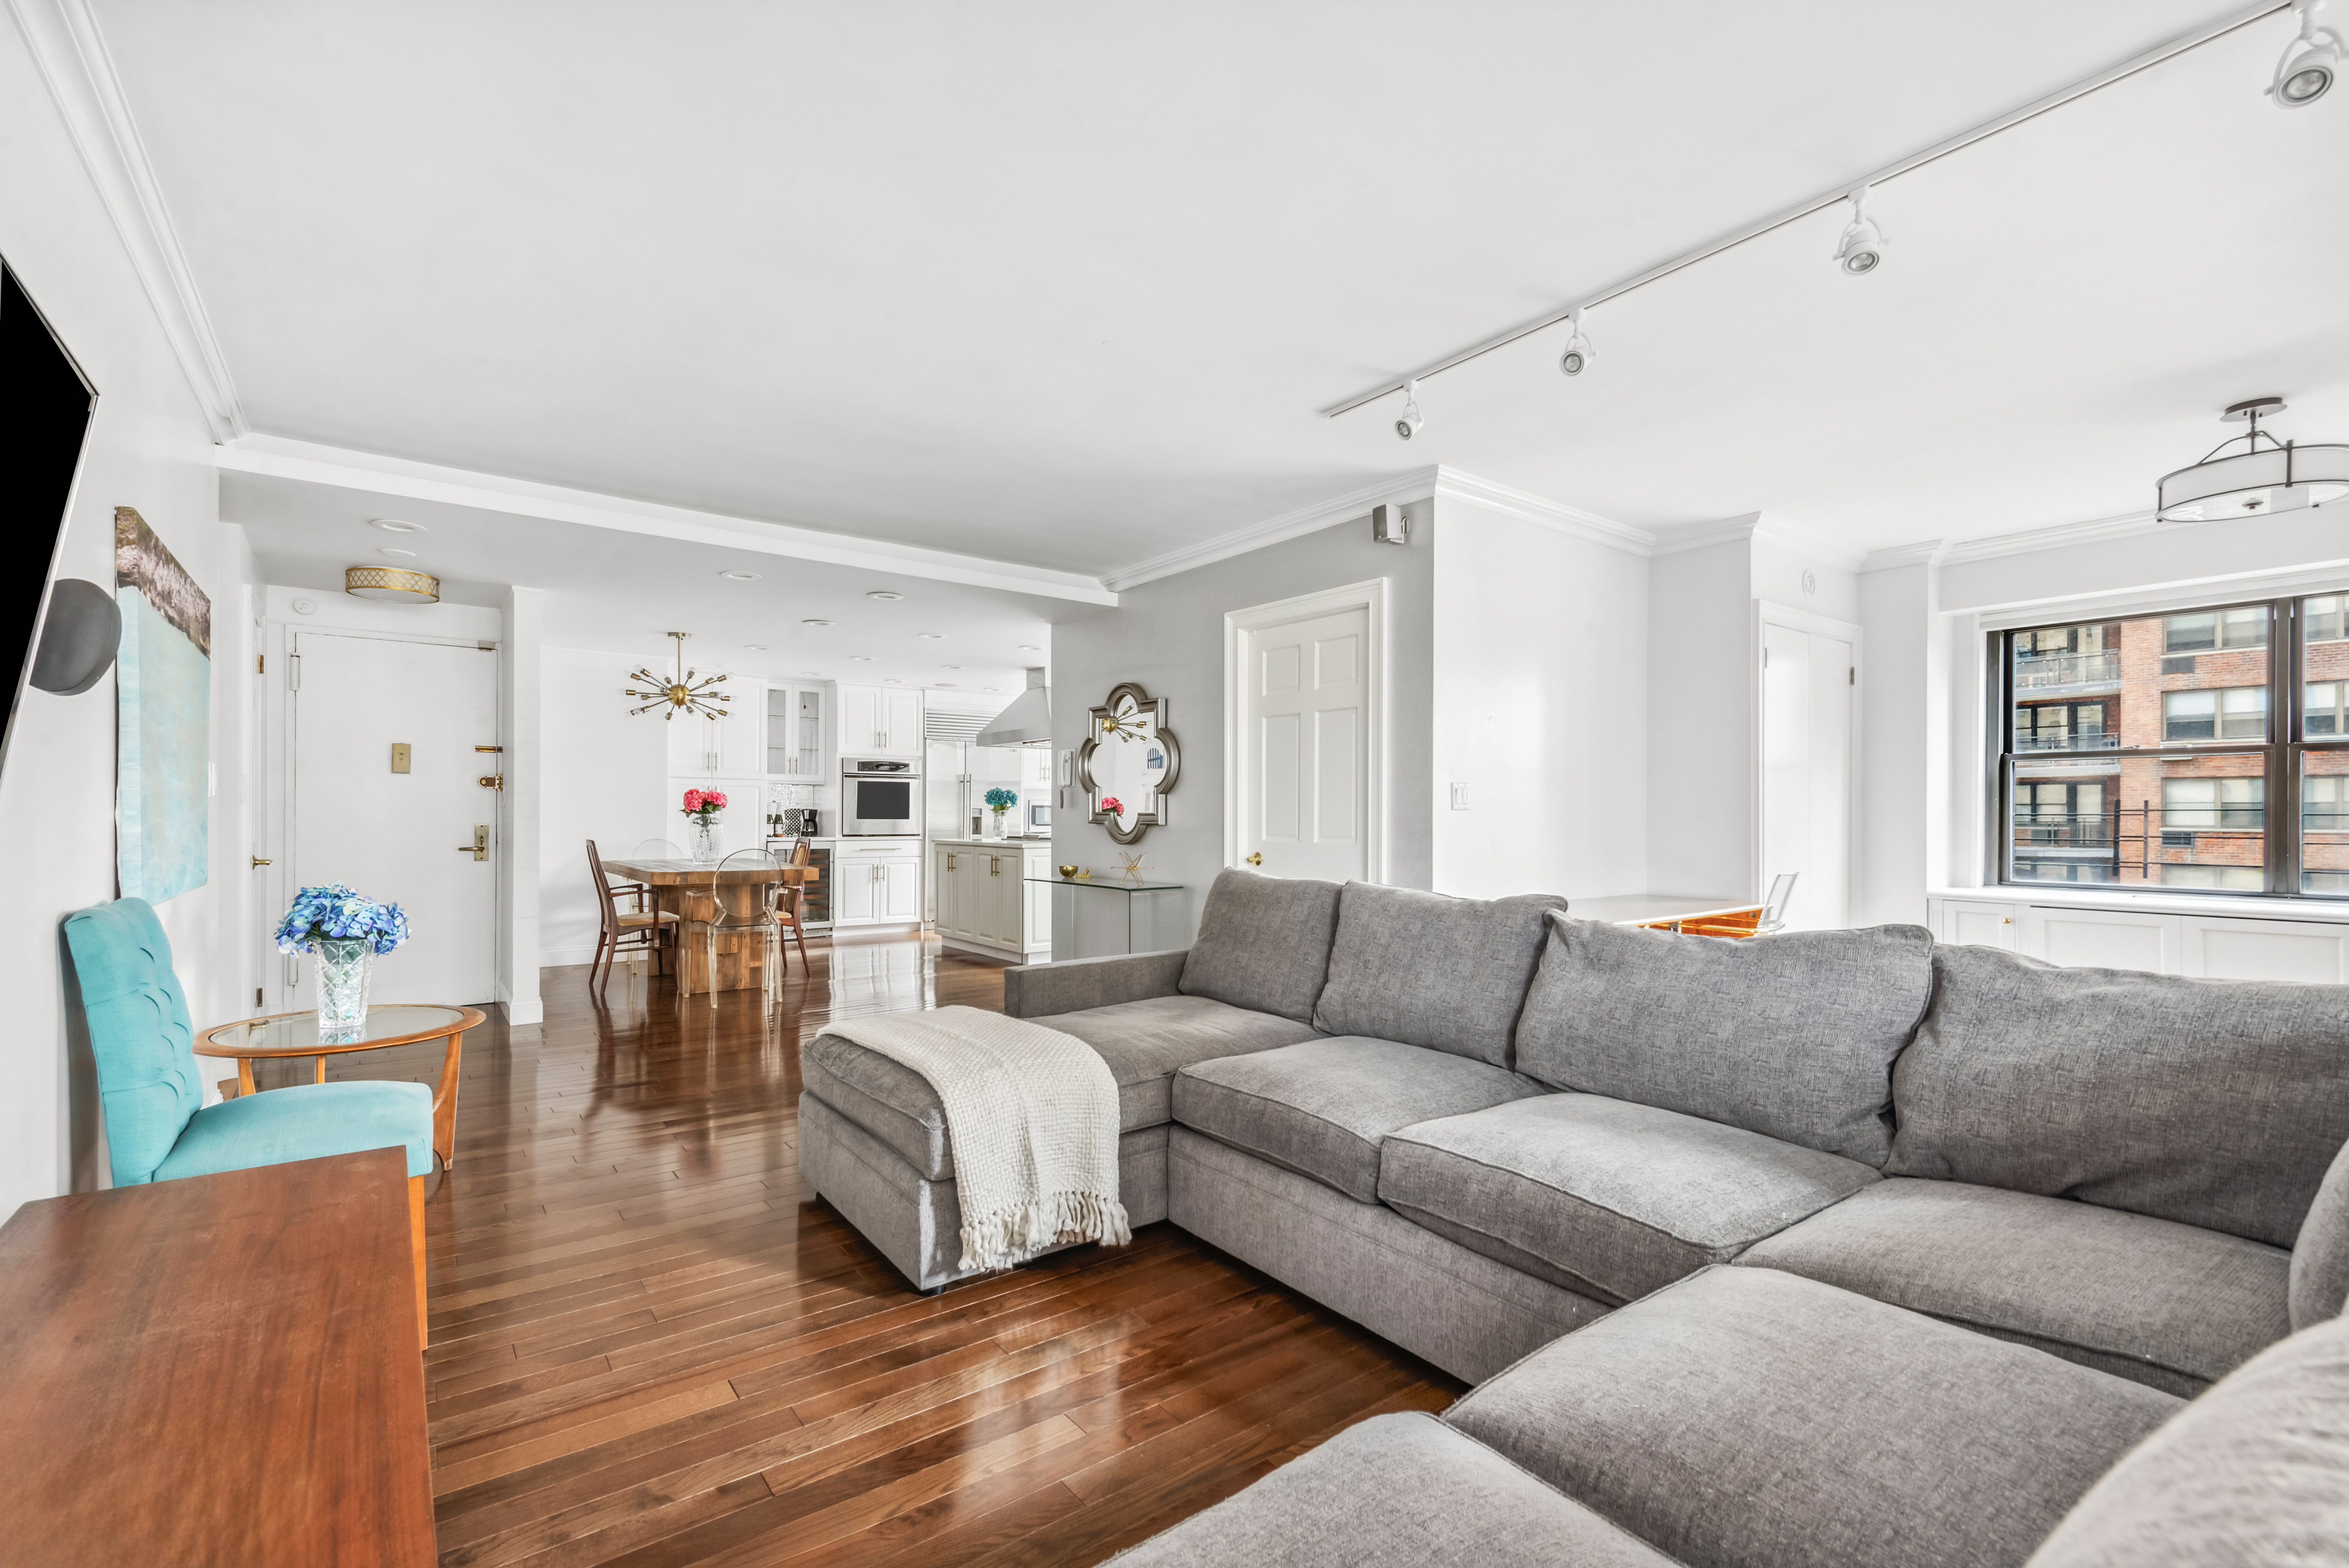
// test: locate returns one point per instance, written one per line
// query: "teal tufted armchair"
(158, 1126)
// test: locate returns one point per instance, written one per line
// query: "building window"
(2147, 751)
(2230, 713)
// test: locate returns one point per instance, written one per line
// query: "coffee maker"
(799, 822)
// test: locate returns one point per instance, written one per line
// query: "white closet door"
(1808, 681)
(1304, 765)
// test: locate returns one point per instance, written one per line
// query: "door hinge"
(293, 672)
(1765, 658)
(1853, 676)
(260, 664)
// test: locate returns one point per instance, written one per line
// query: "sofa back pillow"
(1791, 1035)
(1264, 942)
(1425, 969)
(2216, 1103)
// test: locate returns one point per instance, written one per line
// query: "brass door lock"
(479, 848)
(1256, 860)
(493, 780)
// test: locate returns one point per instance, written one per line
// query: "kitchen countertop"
(970, 843)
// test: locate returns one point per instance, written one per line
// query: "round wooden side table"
(395, 1024)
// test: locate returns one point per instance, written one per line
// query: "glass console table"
(1146, 918)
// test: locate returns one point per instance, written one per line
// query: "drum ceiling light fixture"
(391, 584)
(2276, 476)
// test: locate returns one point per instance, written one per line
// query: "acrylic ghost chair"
(158, 1128)
(744, 905)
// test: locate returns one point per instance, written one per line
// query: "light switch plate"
(399, 756)
(1460, 797)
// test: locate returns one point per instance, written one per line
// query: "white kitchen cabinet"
(730, 744)
(985, 900)
(797, 733)
(692, 744)
(876, 881)
(880, 721)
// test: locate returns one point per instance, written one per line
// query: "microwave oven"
(879, 796)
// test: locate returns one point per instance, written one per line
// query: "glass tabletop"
(1111, 883)
(298, 1033)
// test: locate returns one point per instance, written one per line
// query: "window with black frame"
(2205, 748)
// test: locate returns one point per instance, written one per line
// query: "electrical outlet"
(1460, 797)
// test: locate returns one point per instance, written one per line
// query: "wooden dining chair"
(791, 901)
(645, 928)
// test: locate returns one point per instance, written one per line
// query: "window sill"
(2236, 905)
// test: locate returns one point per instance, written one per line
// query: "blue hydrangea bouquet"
(336, 912)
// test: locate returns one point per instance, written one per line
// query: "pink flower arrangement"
(704, 802)
(1112, 805)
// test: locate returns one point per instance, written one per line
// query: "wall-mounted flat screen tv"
(45, 404)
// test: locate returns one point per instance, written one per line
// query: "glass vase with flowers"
(701, 809)
(998, 801)
(345, 932)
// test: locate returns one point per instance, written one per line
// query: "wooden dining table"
(694, 893)
(1706, 915)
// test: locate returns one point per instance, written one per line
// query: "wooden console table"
(214, 1370)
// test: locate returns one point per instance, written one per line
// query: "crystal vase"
(995, 823)
(705, 840)
(345, 966)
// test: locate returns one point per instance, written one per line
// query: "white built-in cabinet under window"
(2166, 940)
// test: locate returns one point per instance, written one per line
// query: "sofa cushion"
(2168, 1304)
(1321, 1109)
(1746, 1418)
(1397, 1491)
(2319, 1254)
(1142, 1042)
(1446, 972)
(1789, 1036)
(1264, 942)
(1603, 1196)
(2254, 1472)
(2211, 1102)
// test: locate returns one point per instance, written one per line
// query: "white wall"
(1700, 724)
(1168, 636)
(602, 776)
(520, 678)
(149, 448)
(1540, 707)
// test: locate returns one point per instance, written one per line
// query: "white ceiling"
(1064, 284)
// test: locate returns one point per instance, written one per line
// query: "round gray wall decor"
(79, 638)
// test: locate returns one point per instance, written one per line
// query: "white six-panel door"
(1304, 733)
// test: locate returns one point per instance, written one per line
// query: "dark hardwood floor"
(652, 1344)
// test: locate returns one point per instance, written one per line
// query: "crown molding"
(1922, 553)
(1416, 485)
(1682, 538)
(1455, 485)
(70, 53)
(2096, 531)
(276, 456)
(1759, 525)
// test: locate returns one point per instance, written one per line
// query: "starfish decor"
(1133, 867)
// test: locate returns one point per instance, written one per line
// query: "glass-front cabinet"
(795, 732)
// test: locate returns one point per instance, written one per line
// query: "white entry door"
(1808, 681)
(1302, 746)
(401, 837)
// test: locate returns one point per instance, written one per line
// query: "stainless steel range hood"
(1027, 722)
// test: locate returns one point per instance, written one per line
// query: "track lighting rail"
(2207, 32)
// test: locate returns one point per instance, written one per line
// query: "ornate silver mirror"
(1128, 763)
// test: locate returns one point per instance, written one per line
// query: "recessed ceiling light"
(394, 550)
(884, 595)
(1031, 647)
(931, 636)
(394, 525)
(946, 685)
(949, 666)
(991, 688)
(812, 621)
(890, 680)
(859, 658)
(816, 675)
(740, 576)
(756, 647)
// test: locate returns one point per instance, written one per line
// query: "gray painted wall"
(1168, 638)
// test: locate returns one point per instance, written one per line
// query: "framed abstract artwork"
(164, 725)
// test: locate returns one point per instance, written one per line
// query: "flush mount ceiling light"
(683, 694)
(887, 595)
(2309, 62)
(391, 584)
(740, 576)
(2257, 480)
(1410, 420)
(1577, 352)
(1862, 250)
(812, 621)
(395, 525)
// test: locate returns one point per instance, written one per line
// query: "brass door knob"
(258, 862)
(1256, 860)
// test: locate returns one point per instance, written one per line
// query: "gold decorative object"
(682, 695)
(1068, 874)
(395, 584)
(1132, 868)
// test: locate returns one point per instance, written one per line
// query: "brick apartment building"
(2092, 701)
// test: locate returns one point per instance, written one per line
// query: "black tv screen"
(46, 403)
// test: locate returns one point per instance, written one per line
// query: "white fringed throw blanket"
(1031, 1115)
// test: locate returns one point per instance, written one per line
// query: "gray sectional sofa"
(1868, 1250)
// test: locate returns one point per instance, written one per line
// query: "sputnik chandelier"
(683, 694)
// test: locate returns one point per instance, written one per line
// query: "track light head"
(1578, 352)
(1408, 424)
(1862, 250)
(2309, 62)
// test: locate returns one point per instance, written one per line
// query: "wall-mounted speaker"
(1389, 525)
(78, 637)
